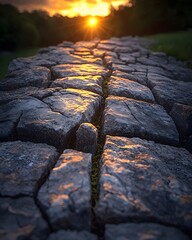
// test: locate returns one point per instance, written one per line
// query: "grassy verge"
(178, 44)
(7, 57)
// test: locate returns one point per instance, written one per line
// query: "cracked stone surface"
(23, 166)
(34, 77)
(21, 219)
(72, 235)
(66, 195)
(132, 231)
(128, 117)
(90, 83)
(50, 121)
(66, 70)
(130, 89)
(144, 181)
(124, 90)
(86, 138)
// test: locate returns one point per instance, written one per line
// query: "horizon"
(68, 8)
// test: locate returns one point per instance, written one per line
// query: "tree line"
(141, 17)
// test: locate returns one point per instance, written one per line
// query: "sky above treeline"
(69, 8)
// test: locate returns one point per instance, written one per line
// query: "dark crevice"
(39, 184)
(97, 121)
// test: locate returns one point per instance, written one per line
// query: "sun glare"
(92, 21)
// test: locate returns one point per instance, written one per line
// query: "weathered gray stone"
(147, 61)
(34, 77)
(132, 118)
(123, 68)
(127, 58)
(169, 92)
(75, 104)
(147, 231)
(90, 83)
(126, 88)
(29, 62)
(21, 219)
(144, 181)
(136, 76)
(53, 123)
(72, 235)
(7, 96)
(182, 116)
(11, 112)
(180, 73)
(86, 138)
(67, 70)
(66, 195)
(105, 46)
(23, 166)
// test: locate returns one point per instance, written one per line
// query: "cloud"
(68, 7)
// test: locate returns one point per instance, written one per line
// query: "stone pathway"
(95, 142)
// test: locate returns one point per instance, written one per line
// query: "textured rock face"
(90, 83)
(35, 77)
(127, 117)
(52, 120)
(23, 166)
(126, 88)
(131, 231)
(67, 70)
(21, 219)
(141, 180)
(66, 195)
(72, 235)
(127, 91)
(167, 92)
(137, 77)
(86, 138)
(182, 116)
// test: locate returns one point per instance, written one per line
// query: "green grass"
(6, 58)
(178, 44)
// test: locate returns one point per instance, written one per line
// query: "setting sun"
(92, 21)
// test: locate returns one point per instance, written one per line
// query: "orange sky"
(68, 7)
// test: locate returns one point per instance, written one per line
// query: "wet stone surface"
(144, 181)
(71, 96)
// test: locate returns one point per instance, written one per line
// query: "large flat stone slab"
(53, 121)
(144, 181)
(28, 77)
(29, 62)
(72, 235)
(126, 88)
(23, 167)
(136, 76)
(169, 92)
(131, 118)
(66, 195)
(7, 96)
(152, 231)
(11, 113)
(66, 70)
(90, 83)
(21, 219)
